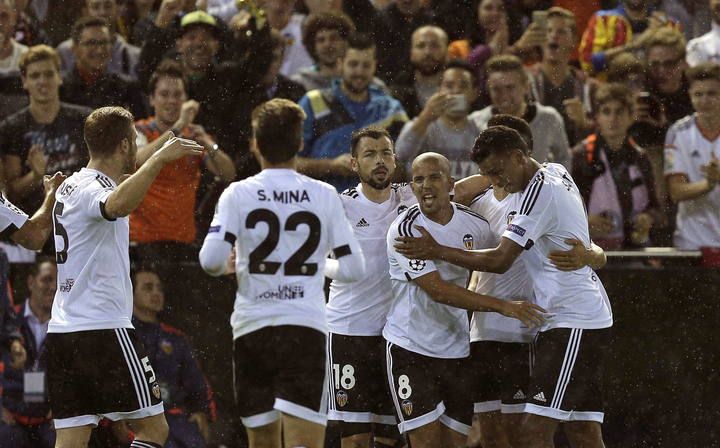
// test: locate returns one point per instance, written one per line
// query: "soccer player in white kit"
(283, 225)
(500, 348)
(565, 385)
(95, 366)
(427, 327)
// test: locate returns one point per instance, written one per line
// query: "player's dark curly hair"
(497, 140)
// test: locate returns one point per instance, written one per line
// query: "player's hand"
(570, 260)
(600, 225)
(200, 419)
(342, 165)
(526, 312)
(436, 105)
(711, 171)
(18, 355)
(176, 148)
(51, 183)
(36, 161)
(423, 247)
(167, 12)
(230, 265)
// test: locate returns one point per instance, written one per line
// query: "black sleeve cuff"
(342, 251)
(104, 213)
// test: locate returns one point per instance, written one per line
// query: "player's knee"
(584, 434)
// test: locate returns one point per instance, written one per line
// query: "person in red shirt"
(167, 214)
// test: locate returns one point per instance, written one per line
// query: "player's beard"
(376, 184)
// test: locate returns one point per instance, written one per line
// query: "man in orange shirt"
(167, 214)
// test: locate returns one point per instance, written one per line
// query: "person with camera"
(443, 125)
(615, 176)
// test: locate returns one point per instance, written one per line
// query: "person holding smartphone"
(443, 125)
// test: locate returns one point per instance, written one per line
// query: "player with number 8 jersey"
(282, 225)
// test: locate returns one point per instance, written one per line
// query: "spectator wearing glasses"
(90, 83)
(665, 52)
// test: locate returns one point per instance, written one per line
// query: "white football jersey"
(515, 284)
(12, 218)
(360, 308)
(415, 321)
(94, 291)
(686, 151)
(283, 225)
(549, 211)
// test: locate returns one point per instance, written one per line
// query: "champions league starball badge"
(417, 265)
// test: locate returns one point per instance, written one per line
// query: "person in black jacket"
(89, 83)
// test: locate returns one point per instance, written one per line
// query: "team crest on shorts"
(407, 407)
(468, 241)
(156, 390)
(166, 346)
(417, 265)
(341, 397)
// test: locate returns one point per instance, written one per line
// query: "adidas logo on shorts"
(362, 223)
(540, 397)
(519, 395)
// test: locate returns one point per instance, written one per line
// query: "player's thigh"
(567, 376)
(152, 429)
(266, 436)
(456, 376)
(301, 365)
(414, 387)
(584, 434)
(430, 435)
(299, 432)
(73, 437)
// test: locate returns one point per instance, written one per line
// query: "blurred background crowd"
(626, 94)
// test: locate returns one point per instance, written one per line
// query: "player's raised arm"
(349, 262)
(130, 193)
(220, 238)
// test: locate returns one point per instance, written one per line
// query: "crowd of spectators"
(624, 93)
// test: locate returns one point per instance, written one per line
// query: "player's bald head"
(432, 158)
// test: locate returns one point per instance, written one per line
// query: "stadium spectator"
(489, 38)
(665, 53)
(507, 83)
(281, 17)
(138, 14)
(56, 18)
(10, 49)
(46, 136)
(706, 48)
(90, 82)
(123, 56)
(692, 168)
(393, 30)
(626, 68)
(556, 83)
(186, 395)
(26, 421)
(443, 125)
(164, 223)
(27, 27)
(428, 56)
(333, 114)
(613, 31)
(325, 36)
(615, 176)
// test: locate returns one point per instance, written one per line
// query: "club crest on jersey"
(468, 241)
(511, 216)
(402, 208)
(156, 390)
(341, 397)
(166, 346)
(417, 265)
(407, 407)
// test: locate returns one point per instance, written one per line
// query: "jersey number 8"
(295, 265)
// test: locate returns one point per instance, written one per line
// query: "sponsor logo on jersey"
(468, 241)
(67, 285)
(516, 229)
(695, 153)
(519, 395)
(341, 397)
(283, 292)
(213, 229)
(156, 390)
(540, 397)
(417, 265)
(407, 407)
(362, 223)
